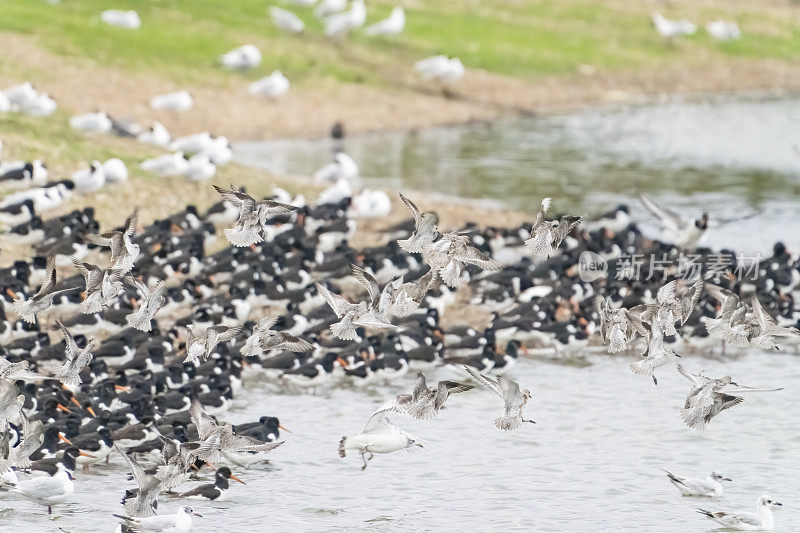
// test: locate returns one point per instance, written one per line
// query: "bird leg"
(365, 461)
(49, 509)
(655, 379)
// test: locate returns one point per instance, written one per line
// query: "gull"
(90, 179)
(723, 30)
(167, 164)
(769, 334)
(77, 359)
(408, 296)
(424, 402)
(123, 250)
(91, 123)
(441, 69)
(338, 25)
(389, 26)
(379, 435)
(245, 57)
(156, 134)
(274, 85)
(342, 167)
(122, 19)
(27, 309)
(114, 170)
(48, 490)
(683, 231)
(201, 347)
(709, 397)
(250, 226)
(656, 354)
(19, 95)
(41, 106)
(219, 151)
(618, 327)
(711, 486)
(514, 398)
(152, 301)
(425, 229)
(672, 307)
(302, 3)
(102, 286)
(216, 438)
(180, 522)
(546, 236)
(176, 101)
(672, 28)
(286, 20)
(761, 520)
(194, 143)
(264, 339)
(450, 254)
(329, 7)
(200, 168)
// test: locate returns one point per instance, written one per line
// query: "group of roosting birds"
(147, 371)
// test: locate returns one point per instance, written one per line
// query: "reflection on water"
(602, 434)
(726, 156)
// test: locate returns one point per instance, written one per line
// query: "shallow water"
(590, 463)
(727, 156)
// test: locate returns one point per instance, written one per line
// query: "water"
(727, 156)
(591, 462)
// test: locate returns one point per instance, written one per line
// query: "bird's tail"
(671, 476)
(139, 322)
(507, 422)
(344, 331)
(24, 310)
(640, 367)
(70, 380)
(342, 443)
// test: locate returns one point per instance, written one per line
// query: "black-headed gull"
(710, 487)
(175, 101)
(380, 435)
(389, 26)
(761, 520)
(286, 20)
(245, 57)
(273, 85)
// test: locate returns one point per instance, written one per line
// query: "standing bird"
(425, 229)
(761, 520)
(213, 491)
(546, 236)
(102, 286)
(380, 435)
(123, 251)
(77, 359)
(152, 301)
(514, 398)
(424, 402)
(264, 339)
(201, 348)
(711, 486)
(245, 57)
(27, 309)
(709, 397)
(48, 490)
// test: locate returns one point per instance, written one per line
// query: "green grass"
(181, 39)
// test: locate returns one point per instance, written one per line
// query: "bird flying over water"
(514, 398)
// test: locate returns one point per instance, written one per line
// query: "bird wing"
(138, 472)
(469, 254)
(485, 381)
(565, 227)
(238, 197)
(413, 208)
(339, 305)
(698, 379)
(205, 424)
(293, 343)
(667, 292)
(266, 323)
(764, 320)
(225, 333)
(92, 274)
(71, 347)
(367, 280)
(669, 218)
(130, 223)
(738, 389)
(249, 444)
(49, 280)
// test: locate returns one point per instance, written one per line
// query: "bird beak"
(87, 455)
(342, 362)
(62, 438)
(11, 293)
(524, 349)
(418, 444)
(283, 428)
(779, 504)
(237, 479)
(76, 402)
(91, 411)
(83, 295)
(62, 408)
(211, 465)
(727, 479)
(120, 388)
(245, 364)
(197, 514)
(134, 303)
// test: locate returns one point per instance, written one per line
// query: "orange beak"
(283, 428)
(237, 479)
(342, 362)
(91, 411)
(253, 247)
(76, 402)
(120, 388)
(87, 455)
(62, 408)
(524, 349)
(134, 303)
(62, 438)
(11, 293)
(83, 295)
(245, 364)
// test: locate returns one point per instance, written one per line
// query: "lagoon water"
(591, 463)
(727, 156)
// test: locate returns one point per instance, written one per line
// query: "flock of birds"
(157, 337)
